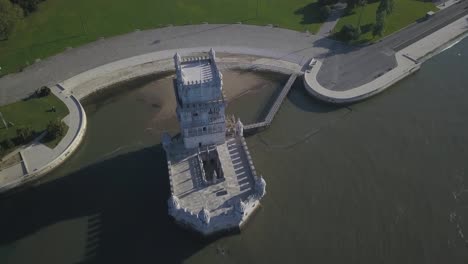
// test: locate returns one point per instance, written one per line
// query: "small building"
(214, 184)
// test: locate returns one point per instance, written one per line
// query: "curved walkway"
(100, 77)
(37, 158)
(287, 45)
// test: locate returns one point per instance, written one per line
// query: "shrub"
(7, 144)
(28, 6)
(24, 134)
(325, 12)
(43, 91)
(379, 26)
(9, 15)
(349, 32)
(327, 2)
(55, 128)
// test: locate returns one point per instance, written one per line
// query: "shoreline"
(78, 87)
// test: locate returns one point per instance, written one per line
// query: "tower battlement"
(198, 78)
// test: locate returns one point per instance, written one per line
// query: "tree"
(351, 4)
(385, 6)
(7, 144)
(56, 128)
(349, 32)
(325, 12)
(9, 15)
(43, 91)
(24, 134)
(326, 2)
(28, 6)
(379, 26)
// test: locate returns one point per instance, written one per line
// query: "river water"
(382, 181)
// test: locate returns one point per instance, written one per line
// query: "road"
(348, 68)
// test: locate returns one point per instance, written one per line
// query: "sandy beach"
(160, 93)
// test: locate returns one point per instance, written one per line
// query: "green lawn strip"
(405, 12)
(59, 24)
(33, 112)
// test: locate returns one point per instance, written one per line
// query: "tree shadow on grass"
(310, 14)
(124, 199)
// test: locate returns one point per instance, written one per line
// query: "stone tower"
(200, 101)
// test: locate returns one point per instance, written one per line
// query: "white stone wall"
(208, 139)
(235, 218)
(197, 92)
(200, 116)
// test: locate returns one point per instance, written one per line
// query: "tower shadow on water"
(124, 199)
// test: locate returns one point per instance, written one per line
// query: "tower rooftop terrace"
(196, 70)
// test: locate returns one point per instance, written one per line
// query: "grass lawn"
(405, 12)
(33, 112)
(62, 23)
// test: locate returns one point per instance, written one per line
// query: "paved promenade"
(287, 45)
(408, 61)
(97, 78)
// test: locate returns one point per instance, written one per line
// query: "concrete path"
(327, 27)
(408, 60)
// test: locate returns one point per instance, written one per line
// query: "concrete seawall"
(72, 90)
(101, 77)
(409, 61)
